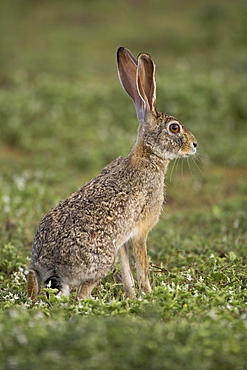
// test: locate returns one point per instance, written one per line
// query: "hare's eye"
(174, 128)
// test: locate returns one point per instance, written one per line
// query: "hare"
(77, 242)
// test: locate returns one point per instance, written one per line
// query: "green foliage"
(48, 117)
(123, 343)
(63, 115)
(10, 260)
(195, 316)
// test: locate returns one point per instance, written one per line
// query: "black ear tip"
(120, 49)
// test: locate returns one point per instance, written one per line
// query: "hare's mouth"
(188, 151)
(184, 152)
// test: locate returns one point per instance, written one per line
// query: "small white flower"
(7, 209)
(20, 182)
(6, 199)
(212, 314)
(188, 276)
(236, 224)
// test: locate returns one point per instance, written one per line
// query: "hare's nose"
(194, 145)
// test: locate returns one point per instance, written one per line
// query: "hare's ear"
(127, 72)
(146, 82)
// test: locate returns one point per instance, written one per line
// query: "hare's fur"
(77, 242)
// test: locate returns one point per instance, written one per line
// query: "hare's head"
(160, 134)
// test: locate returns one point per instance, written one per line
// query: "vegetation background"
(64, 115)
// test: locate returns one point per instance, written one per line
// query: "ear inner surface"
(127, 71)
(146, 81)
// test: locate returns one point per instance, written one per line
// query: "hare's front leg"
(128, 280)
(141, 259)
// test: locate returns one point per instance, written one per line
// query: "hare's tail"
(33, 285)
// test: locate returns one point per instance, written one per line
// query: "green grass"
(60, 106)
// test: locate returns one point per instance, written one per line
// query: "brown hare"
(77, 242)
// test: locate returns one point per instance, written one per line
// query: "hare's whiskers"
(182, 169)
(172, 169)
(190, 168)
(194, 161)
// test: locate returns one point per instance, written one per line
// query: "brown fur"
(77, 242)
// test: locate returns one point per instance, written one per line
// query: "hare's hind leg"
(86, 289)
(141, 259)
(128, 280)
(33, 285)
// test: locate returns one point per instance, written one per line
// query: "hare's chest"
(154, 201)
(149, 213)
